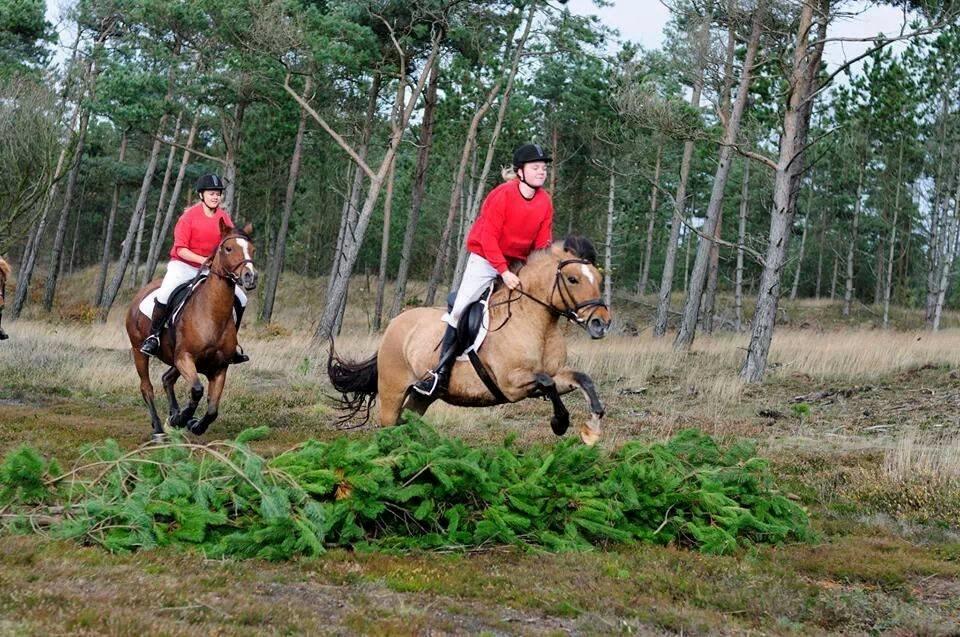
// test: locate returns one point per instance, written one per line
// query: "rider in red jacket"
(516, 218)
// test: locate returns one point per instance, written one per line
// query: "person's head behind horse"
(233, 258)
(566, 278)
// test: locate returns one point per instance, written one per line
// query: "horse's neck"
(216, 297)
(524, 313)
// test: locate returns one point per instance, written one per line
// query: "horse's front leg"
(561, 417)
(215, 387)
(188, 369)
(169, 382)
(566, 381)
(146, 390)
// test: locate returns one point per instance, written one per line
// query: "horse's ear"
(248, 230)
(224, 228)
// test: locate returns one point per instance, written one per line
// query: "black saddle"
(180, 295)
(470, 322)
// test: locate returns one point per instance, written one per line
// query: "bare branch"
(192, 151)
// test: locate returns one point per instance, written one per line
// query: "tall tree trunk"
(419, 188)
(793, 141)
(888, 287)
(686, 255)
(680, 201)
(851, 247)
(741, 237)
(111, 222)
(648, 249)
(172, 204)
(491, 149)
(384, 249)
(833, 282)
(57, 254)
(691, 310)
(232, 138)
(933, 262)
(803, 242)
(820, 251)
(713, 275)
(76, 233)
(161, 201)
(276, 266)
(110, 295)
(948, 258)
(137, 243)
(608, 245)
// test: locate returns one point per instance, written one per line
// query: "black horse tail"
(356, 382)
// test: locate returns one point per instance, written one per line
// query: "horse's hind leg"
(169, 381)
(215, 389)
(146, 389)
(188, 369)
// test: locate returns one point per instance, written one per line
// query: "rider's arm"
(190, 256)
(493, 213)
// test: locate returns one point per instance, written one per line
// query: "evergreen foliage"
(406, 487)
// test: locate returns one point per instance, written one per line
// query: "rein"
(571, 309)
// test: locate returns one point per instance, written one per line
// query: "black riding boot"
(151, 345)
(3, 335)
(436, 383)
(238, 356)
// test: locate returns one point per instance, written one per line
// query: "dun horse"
(524, 354)
(202, 339)
(4, 275)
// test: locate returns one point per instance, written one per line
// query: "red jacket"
(510, 227)
(197, 232)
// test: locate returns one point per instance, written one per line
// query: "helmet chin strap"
(524, 181)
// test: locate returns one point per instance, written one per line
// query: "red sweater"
(510, 227)
(197, 232)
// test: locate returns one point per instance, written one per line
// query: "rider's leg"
(177, 272)
(239, 306)
(476, 277)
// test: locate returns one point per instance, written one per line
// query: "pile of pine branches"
(405, 487)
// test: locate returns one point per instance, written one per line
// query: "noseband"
(571, 309)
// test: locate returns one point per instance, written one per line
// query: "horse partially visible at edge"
(5, 271)
(524, 353)
(202, 339)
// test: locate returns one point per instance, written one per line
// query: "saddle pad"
(476, 318)
(178, 297)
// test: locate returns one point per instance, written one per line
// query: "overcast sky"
(642, 21)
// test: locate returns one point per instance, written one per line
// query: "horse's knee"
(196, 392)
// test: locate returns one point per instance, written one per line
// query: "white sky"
(642, 21)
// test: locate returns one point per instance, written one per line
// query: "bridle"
(571, 309)
(230, 275)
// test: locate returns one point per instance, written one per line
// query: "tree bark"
(888, 287)
(833, 282)
(691, 310)
(851, 252)
(419, 188)
(822, 247)
(680, 201)
(608, 245)
(276, 266)
(491, 148)
(648, 249)
(158, 216)
(948, 259)
(793, 141)
(713, 275)
(384, 249)
(154, 256)
(741, 237)
(111, 222)
(57, 254)
(803, 243)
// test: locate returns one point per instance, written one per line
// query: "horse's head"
(578, 284)
(234, 255)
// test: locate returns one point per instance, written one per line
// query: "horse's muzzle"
(248, 280)
(597, 327)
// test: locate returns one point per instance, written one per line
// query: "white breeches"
(477, 276)
(179, 272)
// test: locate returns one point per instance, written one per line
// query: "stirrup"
(417, 386)
(150, 345)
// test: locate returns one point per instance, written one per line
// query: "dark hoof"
(196, 427)
(560, 424)
(3, 335)
(176, 421)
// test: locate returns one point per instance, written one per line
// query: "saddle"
(178, 299)
(471, 331)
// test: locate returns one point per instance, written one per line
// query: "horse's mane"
(4, 268)
(580, 247)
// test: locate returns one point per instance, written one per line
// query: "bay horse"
(202, 340)
(4, 275)
(524, 352)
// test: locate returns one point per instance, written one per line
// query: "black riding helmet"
(527, 153)
(209, 182)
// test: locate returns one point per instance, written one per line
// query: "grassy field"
(861, 424)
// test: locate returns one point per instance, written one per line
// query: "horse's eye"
(572, 279)
(227, 249)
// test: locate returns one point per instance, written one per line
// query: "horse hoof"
(560, 425)
(196, 427)
(158, 438)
